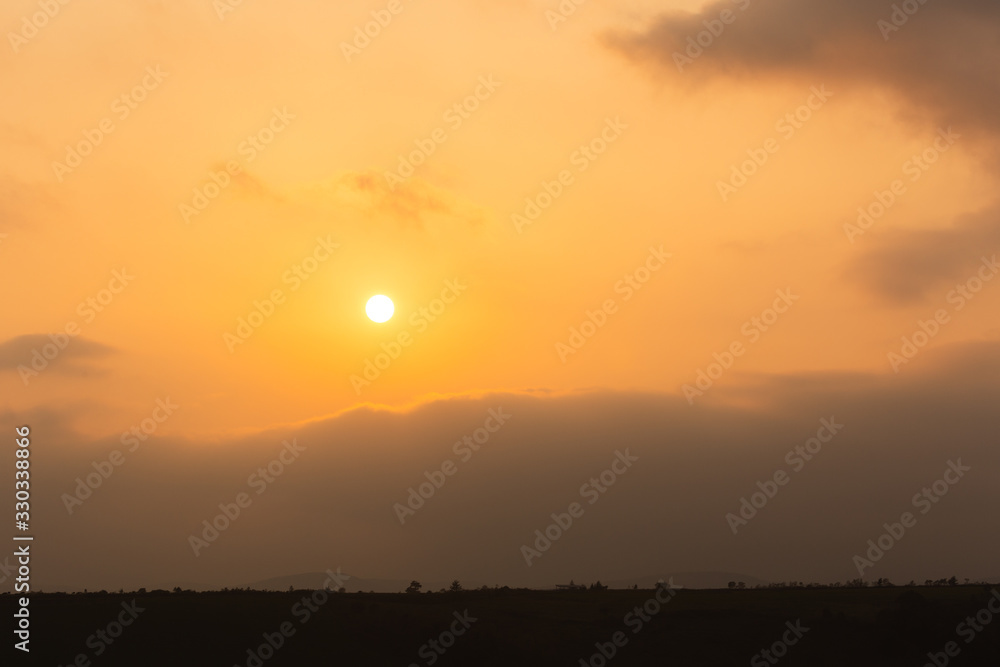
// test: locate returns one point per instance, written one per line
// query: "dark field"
(865, 626)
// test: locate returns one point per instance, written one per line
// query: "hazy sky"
(689, 229)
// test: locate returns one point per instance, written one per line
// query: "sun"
(379, 308)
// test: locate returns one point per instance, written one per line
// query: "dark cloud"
(334, 505)
(909, 266)
(945, 58)
(19, 351)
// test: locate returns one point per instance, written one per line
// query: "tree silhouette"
(455, 586)
(414, 587)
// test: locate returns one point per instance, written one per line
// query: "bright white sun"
(379, 308)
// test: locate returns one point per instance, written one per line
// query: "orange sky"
(311, 192)
(323, 176)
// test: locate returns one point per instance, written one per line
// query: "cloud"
(945, 58)
(251, 186)
(334, 505)
(910, 266)
(19, 351)
(411, 203)
(943, 62)
(23, 204)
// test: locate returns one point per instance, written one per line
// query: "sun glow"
(379, 308)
